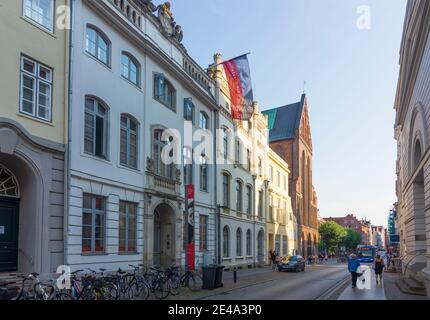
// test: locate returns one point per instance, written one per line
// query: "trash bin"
(218, 276)
(209, 273)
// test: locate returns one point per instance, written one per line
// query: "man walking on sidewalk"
(353, 264)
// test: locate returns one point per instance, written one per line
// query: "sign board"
(394, 238)
(189, 199)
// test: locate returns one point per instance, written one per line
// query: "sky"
(351, 77)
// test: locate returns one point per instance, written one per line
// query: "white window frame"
(131, 61)
(50, 28)
(99, 35)
(129, 132)
(36, 94)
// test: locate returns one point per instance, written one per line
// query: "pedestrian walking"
(353, 264)
(274, 255)
(379, 269)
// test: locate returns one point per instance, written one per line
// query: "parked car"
(293, 263)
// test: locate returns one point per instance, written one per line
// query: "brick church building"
(290, 137)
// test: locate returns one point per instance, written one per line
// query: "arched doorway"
(9, 220)
(309, 246)
(164, 253)
(260, 246)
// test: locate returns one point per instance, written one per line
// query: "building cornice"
(138, 38)
(38, 142)
(417, 23)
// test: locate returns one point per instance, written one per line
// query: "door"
(166, 244)
(9, 213)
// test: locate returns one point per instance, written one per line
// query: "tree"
(332, 234)
(352, 239)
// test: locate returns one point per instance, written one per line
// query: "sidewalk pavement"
(376, 292)
(393, 292)
(245, 278)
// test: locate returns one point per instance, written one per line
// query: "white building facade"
(132, 80)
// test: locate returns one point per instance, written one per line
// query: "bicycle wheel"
(195, 282)
(161, 289)
(140, 290)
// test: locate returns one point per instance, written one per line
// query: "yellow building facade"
(34, 37)
(281, 225)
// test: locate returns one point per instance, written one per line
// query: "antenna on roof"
(304, 86)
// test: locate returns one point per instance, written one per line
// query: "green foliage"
(332, 234)
(352, 239)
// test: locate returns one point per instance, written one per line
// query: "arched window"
(130, 68)
(96, 127)
(204, 173)
(226, 242)
(248, 243)
(129, 141)
(260, 167)
(248, 200)
(239, 187)
(226, 190)
(160, 167)
(8, 183)
(164, 92)
(239, 242)
(189, 110)
(225, 142)
(98, 45)
(417, 154)
(203, 120)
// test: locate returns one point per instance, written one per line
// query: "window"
(260, 167)
(249, 200)
(226, 242)
(225, 143)
(238, 196)
(248, 157)
(239, 242)
(238, 151)
(128, 148)
(36, 89)
(226, 190)
(160, 167)
(204, 177)
(188, 166)
(189, 110)
(271, 208)
(203, 121)
(203, 233)
(127, 226)
(164, 91)
(41, 12)
(96, 130)
(97, 45)
(278, 243)
(248, 243)
(279, 179)
(260, 203)
(93, 224)
(130, 69)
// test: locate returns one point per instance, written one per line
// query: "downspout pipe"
(69, 137)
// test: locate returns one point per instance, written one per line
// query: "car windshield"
(293, 258)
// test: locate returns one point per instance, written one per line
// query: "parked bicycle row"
(140, 284)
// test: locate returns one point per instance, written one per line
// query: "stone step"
(414, 283)
(408, 286)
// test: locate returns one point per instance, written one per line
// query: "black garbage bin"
(209, 273)
(218, 276)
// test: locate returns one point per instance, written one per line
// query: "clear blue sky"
(351, 79)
